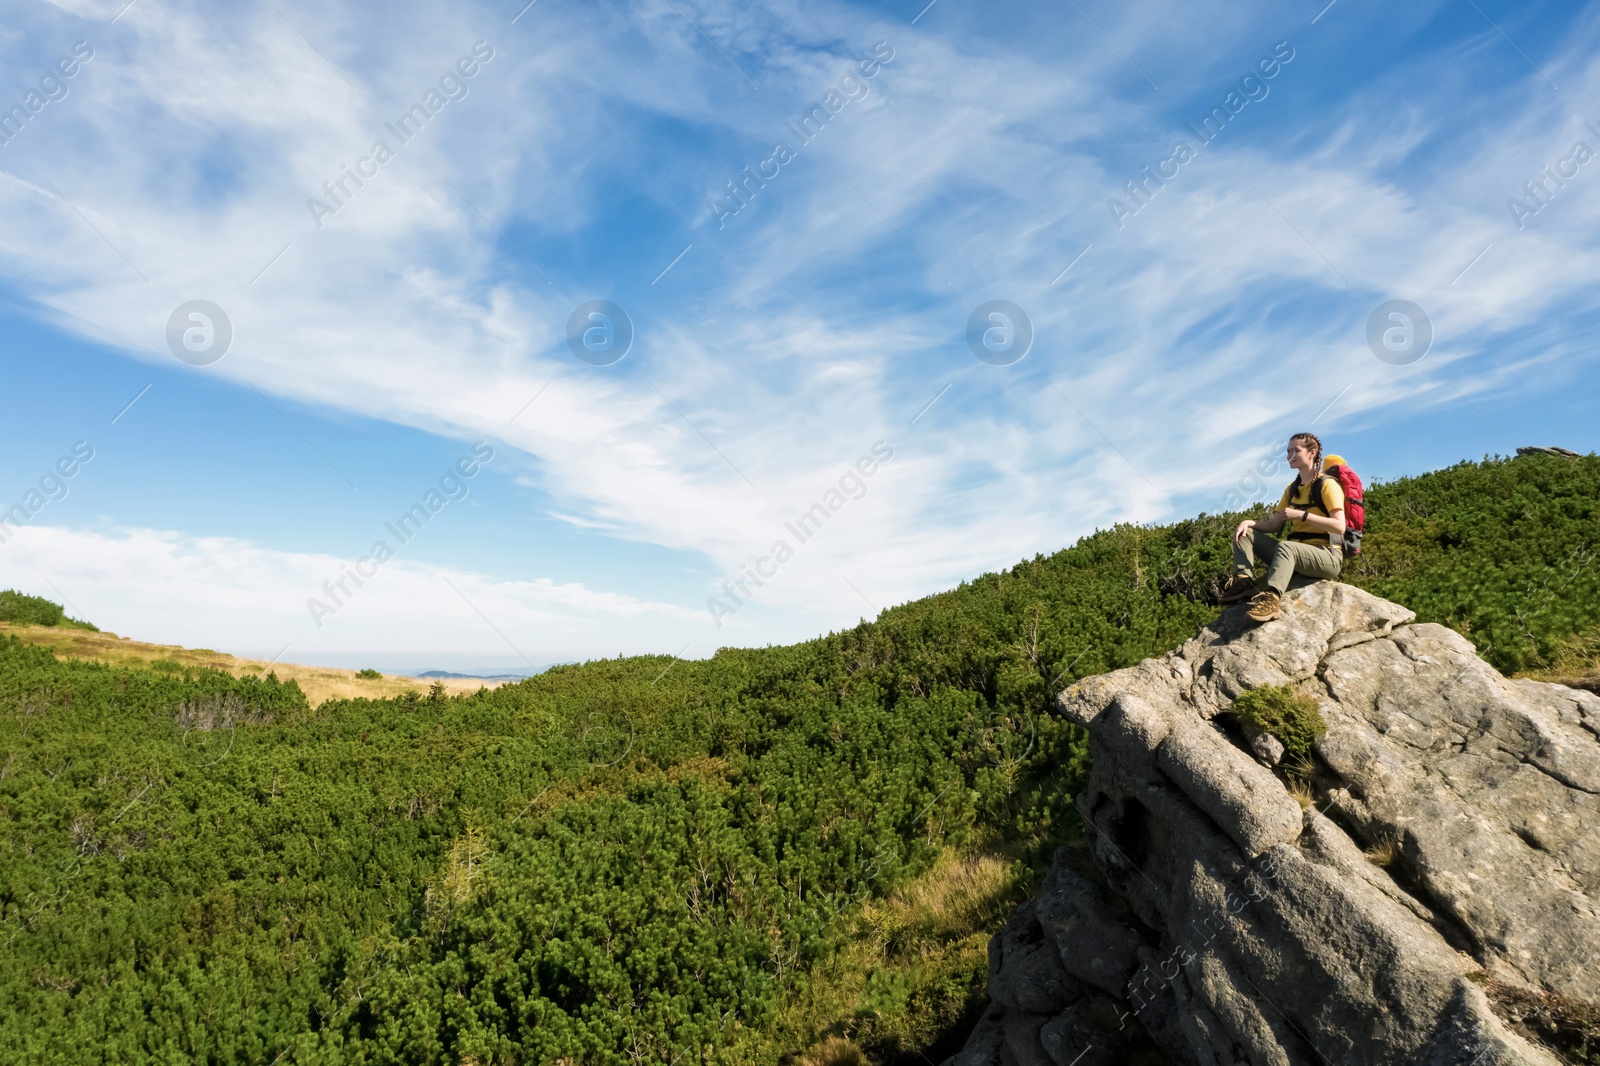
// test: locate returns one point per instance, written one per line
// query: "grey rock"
(984, 1043)
(1070, 1042)
(1240, 796)
(1240, 927)
(1267, 748)
(1025, 970)
(1092, 943)
(1490, 787)
(1022, 1046)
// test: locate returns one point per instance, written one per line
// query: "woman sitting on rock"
(1313, 505)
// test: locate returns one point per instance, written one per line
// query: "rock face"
(1217, 918)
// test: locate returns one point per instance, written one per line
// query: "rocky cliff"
(1425, 889)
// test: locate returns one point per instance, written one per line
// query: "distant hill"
(318, 683)
(732, 860)
(474, 677)
(26, 617)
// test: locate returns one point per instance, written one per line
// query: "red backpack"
(1355, 512)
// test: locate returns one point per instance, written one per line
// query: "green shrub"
(23, 609)
(1290, 716)
(1501, 551)
(29, 610)
(369, 674)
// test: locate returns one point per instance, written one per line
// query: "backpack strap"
(1315, 496)
(1316, 493)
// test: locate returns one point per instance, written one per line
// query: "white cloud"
(171, 588)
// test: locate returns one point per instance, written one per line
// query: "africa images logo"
(452, 87)
(852, 87)
(199, 332)
(1252, 88)
(999, 332)
(1399, 332)
(599, 332)
(52, 87)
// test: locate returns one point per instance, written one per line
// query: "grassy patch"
(912, 973)
(834, 1051)
(1298, 777)
(1576, 659)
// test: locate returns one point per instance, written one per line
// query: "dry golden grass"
(1297, 774)
(834, 1051)
(1569, 1027)
(319, 683)
(1300, 790)
(958, 893)
(1384, 852)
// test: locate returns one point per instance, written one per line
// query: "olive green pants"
(1286, 558)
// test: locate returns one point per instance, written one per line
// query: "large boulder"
(1444, 844)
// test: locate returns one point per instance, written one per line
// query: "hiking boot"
(1264, 608)
(1239, 587)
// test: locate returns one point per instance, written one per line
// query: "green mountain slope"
(641, 859)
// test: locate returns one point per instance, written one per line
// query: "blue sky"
(379, 331)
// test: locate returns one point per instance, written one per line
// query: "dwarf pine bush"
(1289, 715)
(36, 611)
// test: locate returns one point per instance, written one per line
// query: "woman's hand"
(1243, 530)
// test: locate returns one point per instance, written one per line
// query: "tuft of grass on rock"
(1301, 791)
(1289, 715)
(1385, 851)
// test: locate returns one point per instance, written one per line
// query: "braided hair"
(1310, 440)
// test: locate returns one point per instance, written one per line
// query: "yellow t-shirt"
(1300, 496)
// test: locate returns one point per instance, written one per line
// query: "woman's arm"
(1333, 523)
(1271, 524)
